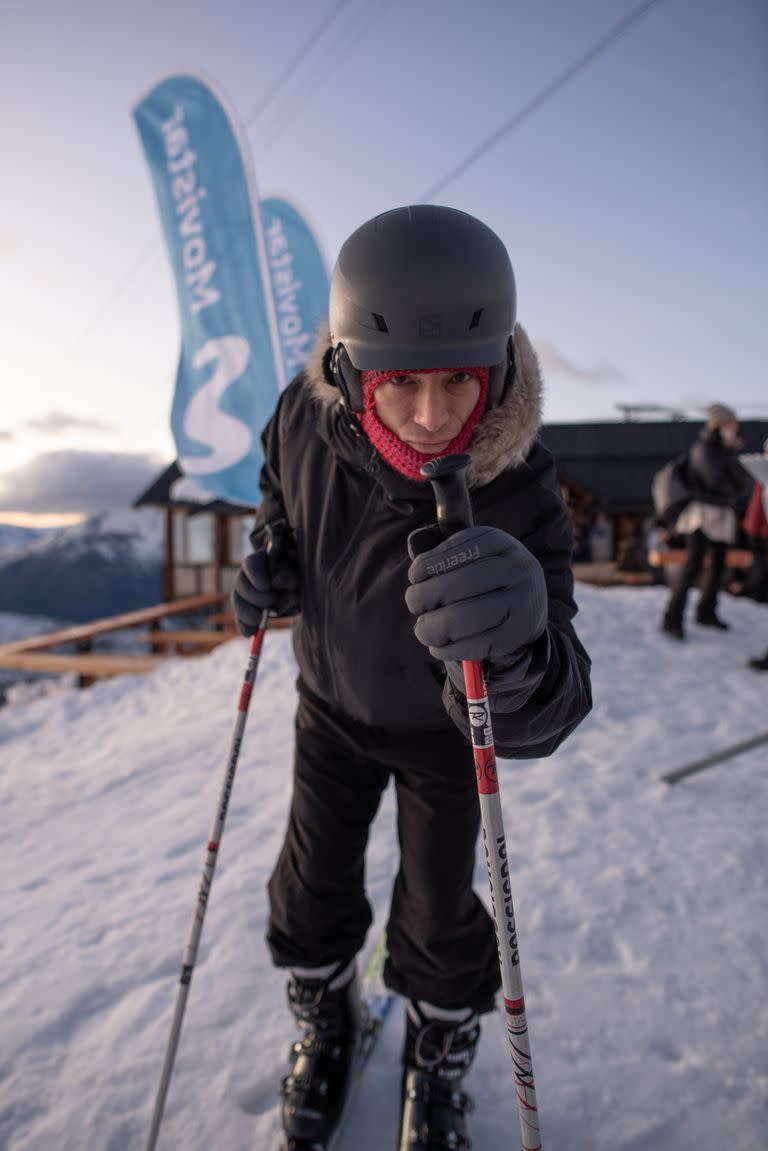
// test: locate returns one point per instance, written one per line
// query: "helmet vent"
(475, 323)
(380, 322)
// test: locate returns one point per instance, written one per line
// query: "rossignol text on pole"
(454, 512)
(209, 866)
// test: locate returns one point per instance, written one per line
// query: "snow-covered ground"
(642, 909)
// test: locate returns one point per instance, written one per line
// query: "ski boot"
(439, 1048)
(711, 619)
(327, 1009)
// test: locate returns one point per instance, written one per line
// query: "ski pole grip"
(448, 476)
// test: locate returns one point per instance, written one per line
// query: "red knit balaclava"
(399, 455)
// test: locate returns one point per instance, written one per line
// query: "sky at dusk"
(633, 200)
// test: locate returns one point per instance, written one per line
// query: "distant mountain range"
(108, 564)
(14, 538)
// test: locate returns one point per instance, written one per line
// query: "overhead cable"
(317, 33)
(543, 96)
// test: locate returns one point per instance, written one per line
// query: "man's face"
(426, 410)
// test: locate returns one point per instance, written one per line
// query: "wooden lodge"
(206, 538)
(606, 470)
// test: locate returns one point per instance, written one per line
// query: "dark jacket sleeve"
(545, 690)
(718, 477)
(272, 507)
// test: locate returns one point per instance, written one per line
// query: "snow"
(641, 909)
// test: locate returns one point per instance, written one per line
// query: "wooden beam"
(222, 617)
(668, 557)
(174, 638)
(112, 623)
(92, 665)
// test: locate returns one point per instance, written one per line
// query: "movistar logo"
(296, 340)
(187, 194)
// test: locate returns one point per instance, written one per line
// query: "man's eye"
(399, 380)
(461, 377)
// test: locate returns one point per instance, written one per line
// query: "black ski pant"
(440, 939)
(698, 544)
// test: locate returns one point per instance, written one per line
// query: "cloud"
(55, 423)
(6, 435)
(552, 360)
(77, 482)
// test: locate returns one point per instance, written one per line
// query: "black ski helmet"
(422, 287)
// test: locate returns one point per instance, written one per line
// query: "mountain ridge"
(109, 563)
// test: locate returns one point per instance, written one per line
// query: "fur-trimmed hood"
(504, 435)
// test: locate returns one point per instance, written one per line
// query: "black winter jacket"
(715, 474)
(351, 514)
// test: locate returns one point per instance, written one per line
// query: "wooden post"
(154, 628)
(169, 559)
(84, 646)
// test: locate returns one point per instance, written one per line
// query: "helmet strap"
(501, 378)
(347, 379)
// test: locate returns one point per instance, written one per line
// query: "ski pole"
(209, 866)
(454, 512)
(716, 757)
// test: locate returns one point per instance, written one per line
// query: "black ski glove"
(480, 594)
(269, 580)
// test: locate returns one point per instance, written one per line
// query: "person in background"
(755, 524)
(721, 488)
(756, 527)
(424, 358)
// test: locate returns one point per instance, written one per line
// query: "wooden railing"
(669, 557)
(33, 654)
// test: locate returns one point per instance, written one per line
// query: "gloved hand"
(269, 580)
(479, 594)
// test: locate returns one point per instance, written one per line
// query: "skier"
(424, 358)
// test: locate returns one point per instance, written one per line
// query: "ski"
(376, 1002)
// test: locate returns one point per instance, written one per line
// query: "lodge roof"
(173, 489)
(616, 461)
